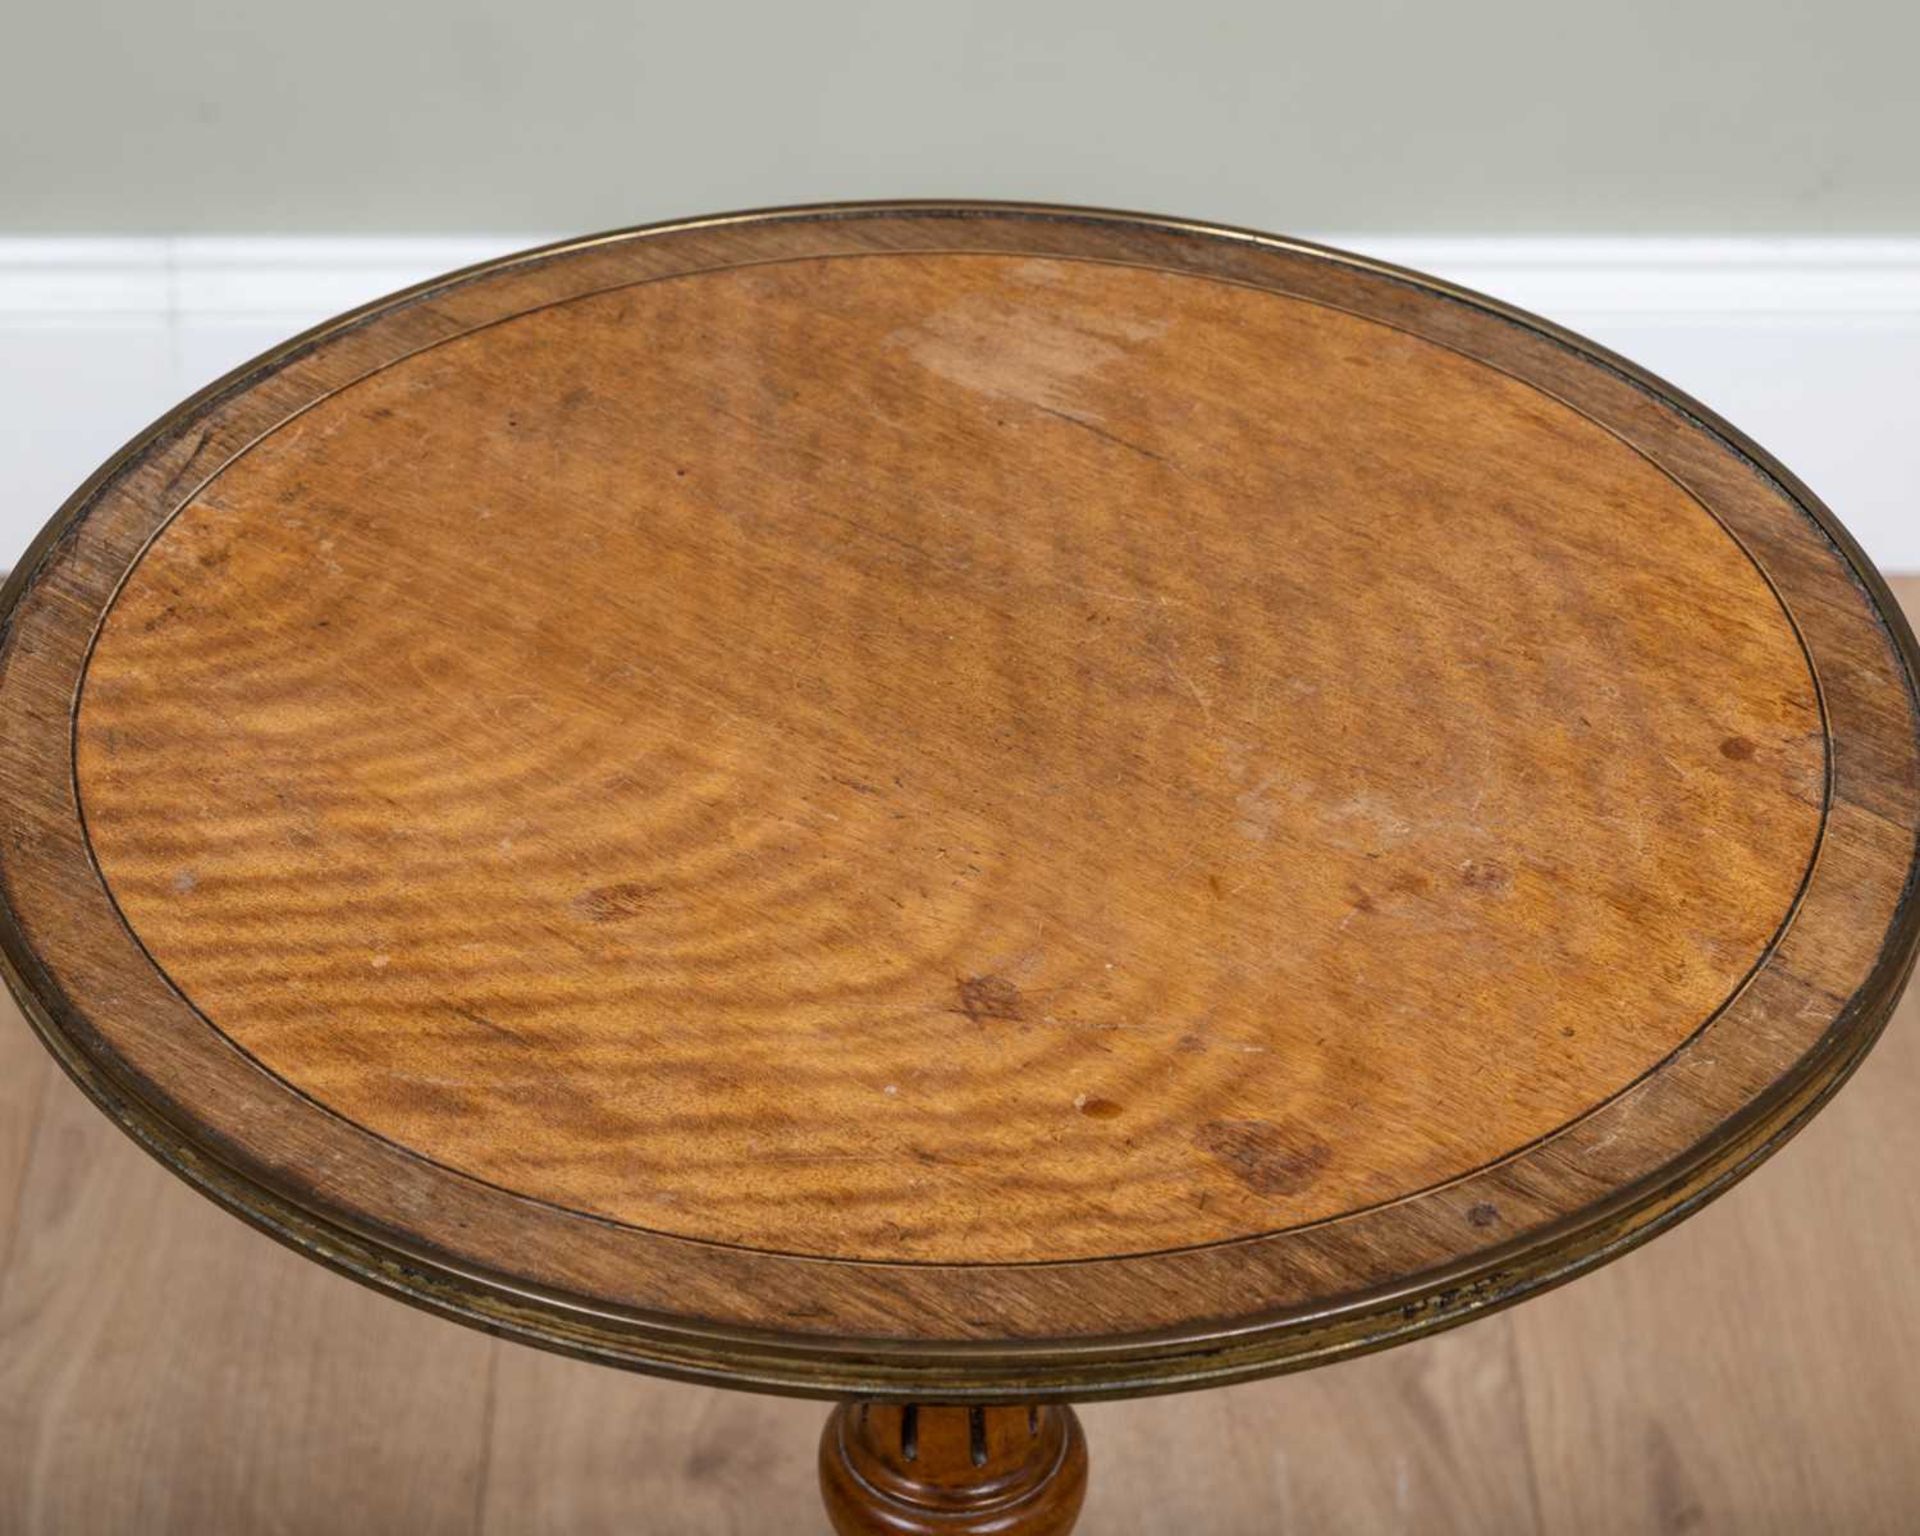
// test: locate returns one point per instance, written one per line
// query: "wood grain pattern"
(1752, 1372)
(1198, 718)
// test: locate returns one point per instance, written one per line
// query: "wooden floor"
(164, 1369)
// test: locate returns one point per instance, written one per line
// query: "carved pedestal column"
(918, 1470)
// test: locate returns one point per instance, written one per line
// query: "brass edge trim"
(1045, 1369)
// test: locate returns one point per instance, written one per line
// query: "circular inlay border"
(186, 994)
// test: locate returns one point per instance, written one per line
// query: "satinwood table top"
(965, 800)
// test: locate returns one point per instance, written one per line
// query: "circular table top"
(966, 800)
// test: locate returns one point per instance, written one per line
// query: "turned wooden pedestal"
(922, 1470)
(953, 804)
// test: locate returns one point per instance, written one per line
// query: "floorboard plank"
(164, 1368)
(25, 1072)
(578, 1450)
(1423, 1439)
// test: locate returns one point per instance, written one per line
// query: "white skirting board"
(1811, 346)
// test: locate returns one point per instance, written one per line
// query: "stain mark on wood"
(1262, 1156)
(990, 997)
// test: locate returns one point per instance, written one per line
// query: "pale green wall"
(413, 115)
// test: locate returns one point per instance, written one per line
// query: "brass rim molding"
(1734, 1091)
